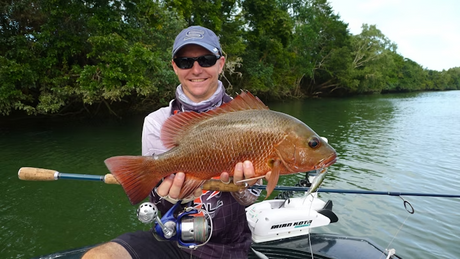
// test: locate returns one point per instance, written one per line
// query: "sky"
(425, 31)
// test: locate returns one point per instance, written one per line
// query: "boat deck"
(324, 246)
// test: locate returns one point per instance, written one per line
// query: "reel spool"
(194, 229)
(187, 228)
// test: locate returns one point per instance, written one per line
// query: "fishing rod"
(40, 174)
(388, 193)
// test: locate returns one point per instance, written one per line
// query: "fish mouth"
(327, 162)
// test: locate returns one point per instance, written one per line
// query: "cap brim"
(211, 49)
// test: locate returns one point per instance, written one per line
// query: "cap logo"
(194, 34)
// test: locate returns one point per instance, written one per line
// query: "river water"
(401, 143)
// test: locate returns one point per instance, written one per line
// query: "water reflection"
(404, 142)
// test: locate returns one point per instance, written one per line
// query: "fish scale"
(226, 148)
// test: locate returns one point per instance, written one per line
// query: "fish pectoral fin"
(250, 179)
(274, 176)
(190, 185)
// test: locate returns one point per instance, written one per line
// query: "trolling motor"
(188, 229)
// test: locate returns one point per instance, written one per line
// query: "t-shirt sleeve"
(151, 132)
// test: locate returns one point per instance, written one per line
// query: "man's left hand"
(243, 170)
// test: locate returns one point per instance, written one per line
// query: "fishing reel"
(186, 227)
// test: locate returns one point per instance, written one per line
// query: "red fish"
(203, 145)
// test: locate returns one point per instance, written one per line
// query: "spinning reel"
(187, 228)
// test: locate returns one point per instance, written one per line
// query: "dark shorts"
(142, 244)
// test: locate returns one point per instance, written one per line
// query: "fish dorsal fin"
(174, 128)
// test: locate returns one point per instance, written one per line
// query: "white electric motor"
(276, 219)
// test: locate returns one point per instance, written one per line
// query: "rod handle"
(40, 174)
(218, 185)
(37, 174)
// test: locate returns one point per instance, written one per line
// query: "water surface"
(401, 142)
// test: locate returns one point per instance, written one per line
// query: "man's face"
(198, 83)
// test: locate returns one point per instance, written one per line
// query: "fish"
(203, 145)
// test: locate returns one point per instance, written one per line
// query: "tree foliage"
(266, 55)
(323, 42)
(59, 57)
(74, 54)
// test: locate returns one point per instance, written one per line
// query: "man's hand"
(242, 171)
(172, 185)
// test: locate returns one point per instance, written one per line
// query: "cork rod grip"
(37, 174)
(110, 179)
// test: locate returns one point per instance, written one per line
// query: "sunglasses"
(203, 61)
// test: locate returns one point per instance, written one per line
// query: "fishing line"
(309, 244)
(309, 211)
(410, 209)
(309, 234)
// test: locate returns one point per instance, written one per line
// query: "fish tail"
(136, 174)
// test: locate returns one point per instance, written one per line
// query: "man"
(197, 62)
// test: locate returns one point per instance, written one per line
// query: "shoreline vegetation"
(91, 58)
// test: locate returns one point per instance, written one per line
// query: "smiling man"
(197, 61)
(198, 82)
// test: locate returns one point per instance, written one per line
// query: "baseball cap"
(200, 36)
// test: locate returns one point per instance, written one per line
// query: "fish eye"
(314, 142)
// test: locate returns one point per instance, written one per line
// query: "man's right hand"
(172, 185)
